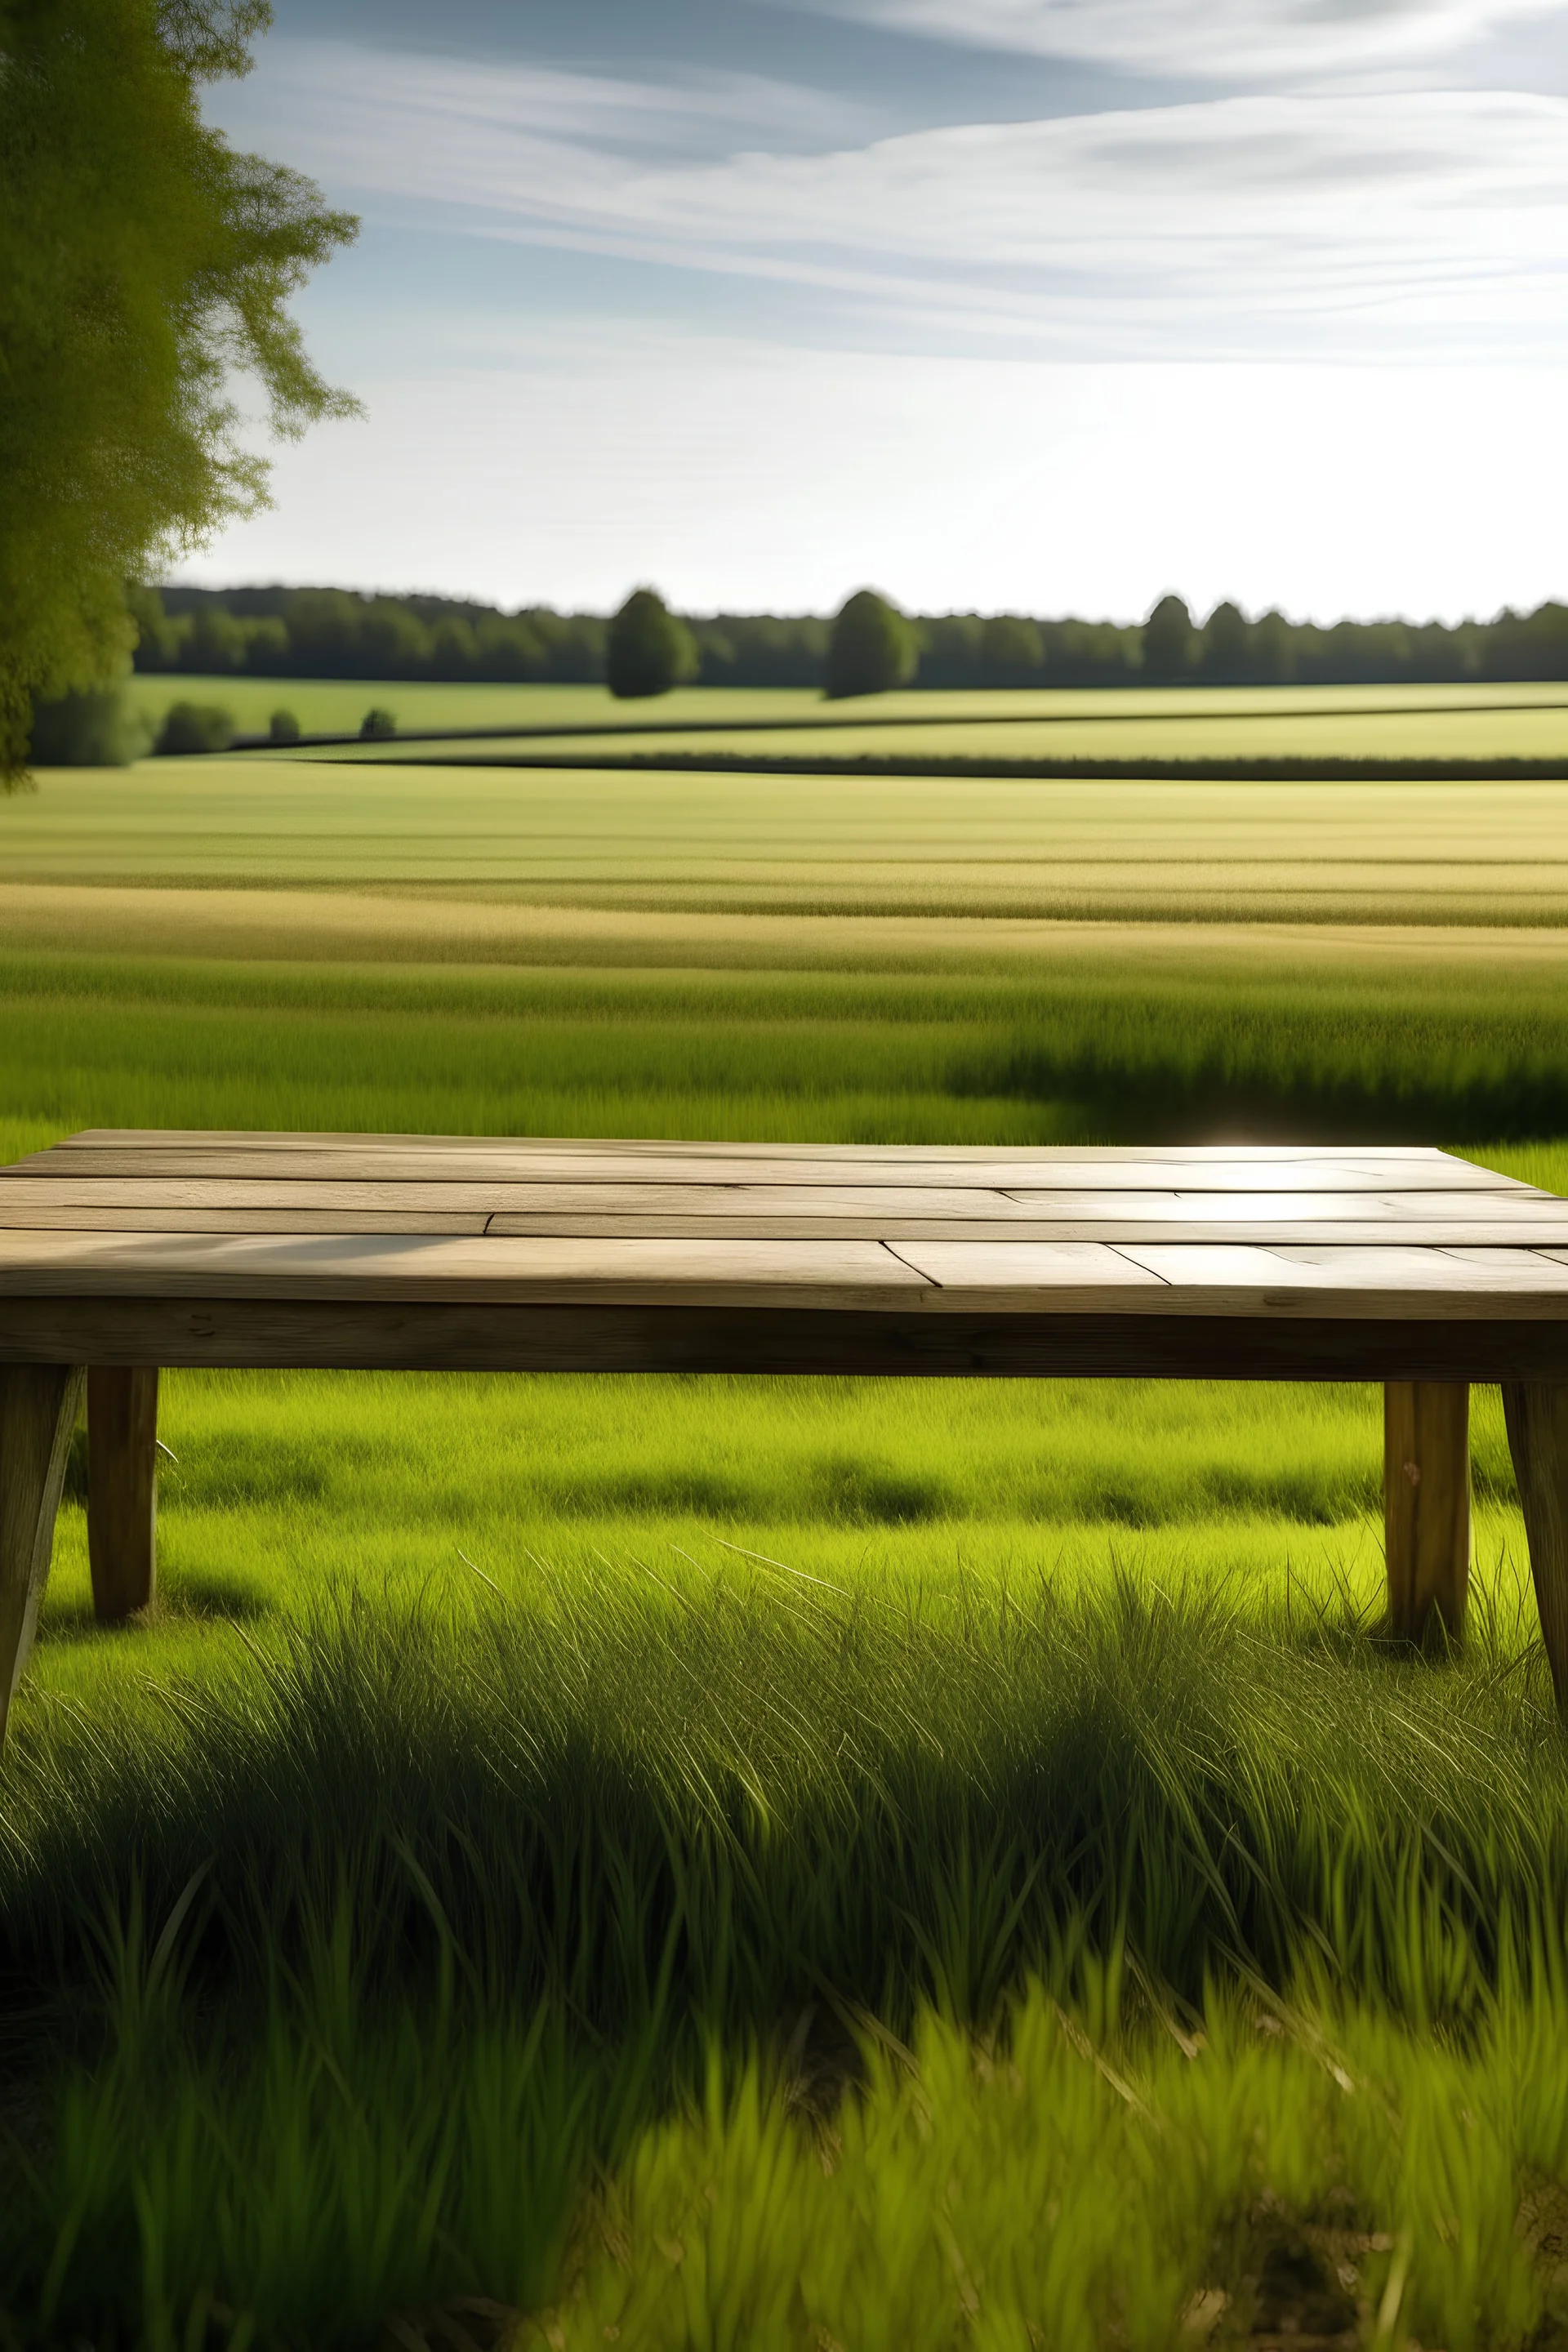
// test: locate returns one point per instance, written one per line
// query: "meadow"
(751, 1863)
(1405, 852)
(334, 706)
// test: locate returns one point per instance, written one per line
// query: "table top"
(1237, 1232)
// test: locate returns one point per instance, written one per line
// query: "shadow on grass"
(196, 1597)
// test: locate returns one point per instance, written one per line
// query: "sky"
(996, 305)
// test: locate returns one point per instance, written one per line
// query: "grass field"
(800, 1863)
(328, 706)
(1405, 852)
(1240, 732)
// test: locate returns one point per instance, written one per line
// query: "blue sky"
(1050, 304)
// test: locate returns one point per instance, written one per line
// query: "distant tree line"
(333, 632)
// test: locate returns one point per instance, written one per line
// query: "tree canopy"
(142, 263)
(1168, 639)
(647, 649)
(280, 632)
(872, 647)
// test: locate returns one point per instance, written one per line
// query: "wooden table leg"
(122, 1488)
(38, 1413)
(1426, 1505)
(1536, 1413)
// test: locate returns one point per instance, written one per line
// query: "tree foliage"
(301, 633)
(871, 649)
(1011, 646)
(89, 727)
(142, 261)
(1168, 639)
(647, 650)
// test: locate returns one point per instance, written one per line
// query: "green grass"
(1498, 732)
(330, 706)
(365, 1939)
(746, 1863)
(1420, 1041)
(809, 846)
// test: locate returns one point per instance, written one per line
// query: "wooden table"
(120, 1253)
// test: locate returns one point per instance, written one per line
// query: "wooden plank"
(106, 1195)
(48, 1215)
(123, 1487)
(670, 1164)
(384, 1265)
(1245, 1281)
(1373, 1280)
(1197, 1154)
(1076, 1276)
(38, 1412)
(1536, 1413)
(571, 1199)
(24, 1236)
(893, 1339)
(1209, 1278)
(1198, 1164)
(1426, 1507)
(1316, 1207)
(1472, 1231)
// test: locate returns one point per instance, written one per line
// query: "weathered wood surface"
(1215, 1167)
(122, 1488)
(1537, 1417)
(372, 1334)
(1426, 1505)
(1214, 1236)
(38, 1412)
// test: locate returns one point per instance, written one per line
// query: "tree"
(1009, 644)
(647, 649)
(1227, 646)
(1168, 639)
(142, 259)
(872, 647)
(193, 727)
(1274, 649)
(91, 726)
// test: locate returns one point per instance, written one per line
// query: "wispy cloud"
(1312, 224)
(1229, 39)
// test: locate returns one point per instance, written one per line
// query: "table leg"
(1426, 1505)
(122, 1488)
(1536, 1413)
(38, 1413)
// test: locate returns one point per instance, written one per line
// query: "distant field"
(1476, 853)
(1415, 718)
(330, 706)
(1126, 732)
(324, 1008)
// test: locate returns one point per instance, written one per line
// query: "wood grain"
(1426, 1506)
(291, 1160)
(123, 1487)
(38, 1412)
(1536, 1413)
(398, 1265)
(437, 1334)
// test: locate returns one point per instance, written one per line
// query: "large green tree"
(872, 647)
(1168, 639)
(143, 265)
(647, 648)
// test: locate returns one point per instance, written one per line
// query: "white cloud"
(1324, 226)
(1233, 40)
